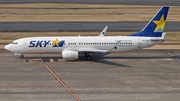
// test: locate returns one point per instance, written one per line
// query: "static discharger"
(60, 81)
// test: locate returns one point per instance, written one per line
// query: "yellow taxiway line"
(60, 81)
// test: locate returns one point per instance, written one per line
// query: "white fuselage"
(36, 45)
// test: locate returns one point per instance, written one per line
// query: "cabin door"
(139, 44)
(25, 43)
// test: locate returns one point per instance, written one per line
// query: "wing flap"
(93, 51)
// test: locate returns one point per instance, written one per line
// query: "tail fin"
(156, 25)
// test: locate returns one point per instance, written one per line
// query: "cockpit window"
(14, 43)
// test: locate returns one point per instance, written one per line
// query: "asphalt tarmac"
(80, 26)
(143, 75)
(128, 2)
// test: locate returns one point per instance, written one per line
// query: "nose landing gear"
(21, 56)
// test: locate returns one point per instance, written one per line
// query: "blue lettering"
(46, 43)
(43, 43)
(32, 43)
(39, 43)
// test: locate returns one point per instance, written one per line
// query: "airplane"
(71, 47)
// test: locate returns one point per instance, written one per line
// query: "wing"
(92, 51)
(85, 50)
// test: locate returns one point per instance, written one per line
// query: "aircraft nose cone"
(7, 47)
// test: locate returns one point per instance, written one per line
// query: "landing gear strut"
(22, 57)
(88, 57)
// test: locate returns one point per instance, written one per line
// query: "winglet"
(104, 31)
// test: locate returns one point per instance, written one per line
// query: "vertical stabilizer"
(156, 25)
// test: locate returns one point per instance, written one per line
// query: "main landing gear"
(21, 57)
(88, 57)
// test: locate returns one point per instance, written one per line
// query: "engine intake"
(69, 54)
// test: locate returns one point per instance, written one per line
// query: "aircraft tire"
(22, 57)
(88, 57)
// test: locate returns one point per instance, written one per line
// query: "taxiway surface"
(80, 26)
(128, 2)
(143, 75)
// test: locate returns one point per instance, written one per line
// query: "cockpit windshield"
(15, 43)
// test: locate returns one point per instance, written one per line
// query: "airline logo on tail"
(160, 24)
(156, 25)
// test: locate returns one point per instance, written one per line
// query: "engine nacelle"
(17, 54)
(69, 54)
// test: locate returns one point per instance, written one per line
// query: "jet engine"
(69, 54)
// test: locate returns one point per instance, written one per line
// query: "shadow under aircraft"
(100, 58)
